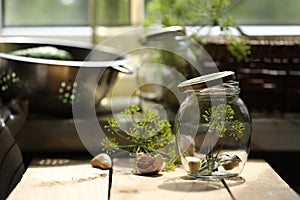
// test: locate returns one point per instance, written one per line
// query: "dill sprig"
(144, 132)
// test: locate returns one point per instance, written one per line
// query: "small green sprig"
(221, 120)
(205, 13)
(238, 47)
(145, 132)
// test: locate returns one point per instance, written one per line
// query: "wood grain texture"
(59, 179)
(68, 179)
(257, 181)
(171, 185)
(262, 182)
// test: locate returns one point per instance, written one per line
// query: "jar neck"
(230, 88)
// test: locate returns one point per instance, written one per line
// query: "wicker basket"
(269, 77)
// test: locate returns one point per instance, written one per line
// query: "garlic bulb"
(146, 164)
(102, 161)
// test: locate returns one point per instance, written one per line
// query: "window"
(56, 17)
(266, 12)
(117, 12)
(66, 12)
(45, 13)
(67, 19)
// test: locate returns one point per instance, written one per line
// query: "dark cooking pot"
(49, 84)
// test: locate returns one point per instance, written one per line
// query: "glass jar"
(213, 127)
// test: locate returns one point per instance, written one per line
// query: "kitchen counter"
(65, 178)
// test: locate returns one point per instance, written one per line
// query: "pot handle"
(162, 33)
(123, 68)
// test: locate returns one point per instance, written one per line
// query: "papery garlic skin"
(146, 164)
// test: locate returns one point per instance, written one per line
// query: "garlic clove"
(194, 164)
(232, 165)
(146, 164)
(102, 161)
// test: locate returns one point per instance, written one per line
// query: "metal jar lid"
(209, 80)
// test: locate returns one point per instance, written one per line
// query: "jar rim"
(227, 88)
(206, 81)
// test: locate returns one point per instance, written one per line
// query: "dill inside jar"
(213, 127)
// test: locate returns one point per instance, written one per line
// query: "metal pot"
(50, 85)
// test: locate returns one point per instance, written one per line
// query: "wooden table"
(69, 179)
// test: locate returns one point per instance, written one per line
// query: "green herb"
(204, 13)
(238, 47)
(211, 164)
(186, 12)
(221, 120)
(143, 132)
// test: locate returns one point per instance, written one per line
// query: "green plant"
(144, 132)
(224, 125)
(221, 120)
(204, 13)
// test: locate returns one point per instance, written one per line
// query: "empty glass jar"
(213, 127)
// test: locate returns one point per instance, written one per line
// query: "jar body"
(213, 133)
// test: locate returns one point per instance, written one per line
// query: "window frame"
(84, 33)
(81, 33)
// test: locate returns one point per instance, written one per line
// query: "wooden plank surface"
(262, 182)
(61, 179)
(257, 181)
(169, 186)
(75, 179)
